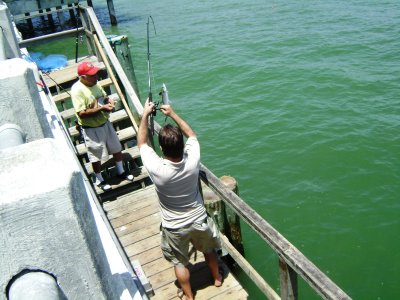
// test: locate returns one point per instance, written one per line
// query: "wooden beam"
(51, 36)
(288, 280)
(116, 85)
(114, 61)
(291, 255)
(249, 270)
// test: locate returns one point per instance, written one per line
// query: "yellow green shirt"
(84, 97)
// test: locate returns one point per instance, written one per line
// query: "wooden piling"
(288, 281)
(225, 217)
(111, 12)
(29, 22)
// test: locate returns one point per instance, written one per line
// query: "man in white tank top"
(184, 217)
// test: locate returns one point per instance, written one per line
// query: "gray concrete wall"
(48, 219)
(47, 224)
(20, 102)
(9, 47)
(45, 219)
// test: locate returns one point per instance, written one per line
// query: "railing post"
(226, 219)
(288, 280)
(232, 224)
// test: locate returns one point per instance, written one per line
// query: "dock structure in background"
(27, 10)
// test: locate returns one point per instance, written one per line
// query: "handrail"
(286, 251)
(114, 60)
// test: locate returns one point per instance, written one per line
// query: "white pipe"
(11, 135)
(35, 285)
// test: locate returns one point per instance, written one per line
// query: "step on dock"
(135, 219)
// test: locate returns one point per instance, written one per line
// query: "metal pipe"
(51, 36)
(11, 135)
(35, 285)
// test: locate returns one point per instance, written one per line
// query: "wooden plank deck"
(136, 219)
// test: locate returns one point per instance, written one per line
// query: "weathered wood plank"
(131, 198)
(156, 266)
(116, 183)
(292, 256)
(143, 245)
(126, 209)
(147, 256)
(135, 237)
(133, 216)
(153, 219)
(128, 154)
(249, 270)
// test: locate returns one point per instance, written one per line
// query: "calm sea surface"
(299, 101)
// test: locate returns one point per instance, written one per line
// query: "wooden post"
(225, 218)
(232, 225)
(288, 280)
(29, 22)
(72, 14)
(60, 15)
(215, 207)
(121, 48)
(50, 18)
(111, 11)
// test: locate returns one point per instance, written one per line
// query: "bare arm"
(143, 131)
(186, 129)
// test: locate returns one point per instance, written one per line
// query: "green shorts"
(204, 236)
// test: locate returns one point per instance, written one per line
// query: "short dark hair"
(170, 139)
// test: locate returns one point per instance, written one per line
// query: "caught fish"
(164, 95)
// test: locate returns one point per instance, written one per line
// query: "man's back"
(177, 185)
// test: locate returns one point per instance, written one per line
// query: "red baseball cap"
(87, 68)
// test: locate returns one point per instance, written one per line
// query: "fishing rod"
(149, 73)
(77, 35)
(163, 92)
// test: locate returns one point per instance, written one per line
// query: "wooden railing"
(291, 261)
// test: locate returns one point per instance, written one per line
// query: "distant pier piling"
(111, 11)
(44, 9)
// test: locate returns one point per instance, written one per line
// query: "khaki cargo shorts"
(204, 235)
(101, 142)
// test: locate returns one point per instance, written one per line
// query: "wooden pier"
(132, 209)
(136, 220)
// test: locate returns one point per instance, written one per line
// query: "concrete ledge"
(47, 223)
(20, 101)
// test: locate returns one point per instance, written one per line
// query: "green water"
(299, 101)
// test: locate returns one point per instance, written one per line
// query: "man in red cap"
(92, 108)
